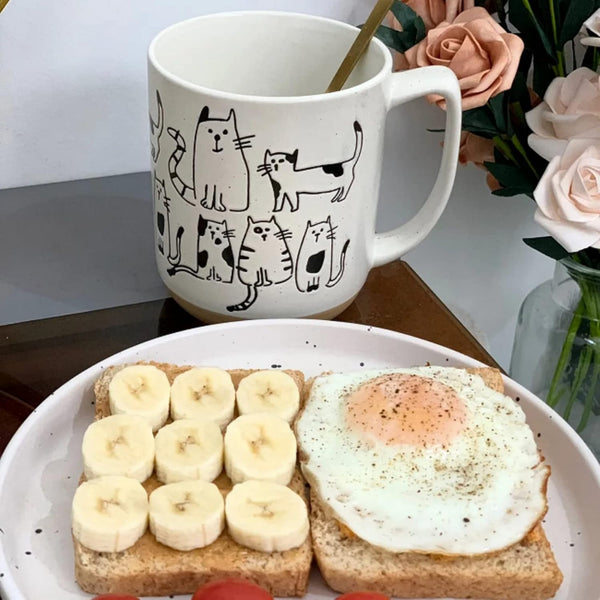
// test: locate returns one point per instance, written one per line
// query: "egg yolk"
(400, 408)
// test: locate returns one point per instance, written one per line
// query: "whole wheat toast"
(149, 568)
(527, 570)
(524, 571)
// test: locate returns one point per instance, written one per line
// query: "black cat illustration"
(156, 129)
(220, 177)
(264, 259)
(213, 259)
(289, 181)
(215, 256)
(161, 207)
(314, 265)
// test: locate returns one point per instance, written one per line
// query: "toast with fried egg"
(149, 568)
(525, 569)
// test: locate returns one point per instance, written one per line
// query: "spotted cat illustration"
(220, 177)
(213, 258)
(263, 242)
(314, 265)
(289, 181)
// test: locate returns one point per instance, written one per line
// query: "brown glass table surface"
(36, 357)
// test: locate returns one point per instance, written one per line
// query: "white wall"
(73, 105)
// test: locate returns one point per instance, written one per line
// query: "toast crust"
(527, 569)
(149, 568)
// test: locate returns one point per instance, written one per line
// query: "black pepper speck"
(38, 531)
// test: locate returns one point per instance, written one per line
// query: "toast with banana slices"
(151, 568)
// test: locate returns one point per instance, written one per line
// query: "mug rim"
(373, 81)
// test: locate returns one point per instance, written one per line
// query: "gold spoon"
(360, 44)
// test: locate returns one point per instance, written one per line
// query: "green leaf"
(510, 176)
(397, 40)
(522, 16)
(547, 246)
(542, 75)
(480, 121)
(409, 20)
(513, 191)
(498, 110)
(577, 12)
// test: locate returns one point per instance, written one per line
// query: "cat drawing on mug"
(156, 129)
(314, 264)
(289, 181)
(213, 258)
(220, 177)
(264, 259)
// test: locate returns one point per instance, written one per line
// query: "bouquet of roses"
(531, 119)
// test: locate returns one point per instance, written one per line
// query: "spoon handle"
(360, 44)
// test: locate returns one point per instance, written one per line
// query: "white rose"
(592, 24)
(568, 196)
(571, 109)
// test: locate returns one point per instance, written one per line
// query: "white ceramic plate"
(40, 467)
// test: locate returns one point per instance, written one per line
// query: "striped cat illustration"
(289, 181)
(220, 177)
(314, 265)
(262, 241)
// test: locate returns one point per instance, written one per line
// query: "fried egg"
(426, 459)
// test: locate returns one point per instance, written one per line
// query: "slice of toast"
(526, 570)
(149, 568)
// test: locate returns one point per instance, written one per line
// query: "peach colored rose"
(492, 182)
(571, 109)
(433, 12)
(483, 56)
(568, 196)
(476, 149)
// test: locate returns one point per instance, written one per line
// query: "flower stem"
(517, 144)
(593, 312)
(553, 396)
(505, 149)
(559, 68)
(583, 364)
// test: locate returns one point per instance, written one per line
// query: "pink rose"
(571, 109)
(476, 149)
(483, 56)
(433, 12)
(568, 196)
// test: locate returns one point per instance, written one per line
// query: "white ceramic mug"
(265, 187)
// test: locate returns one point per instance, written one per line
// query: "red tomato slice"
(115, 597)
(363, 596)
(231, 589)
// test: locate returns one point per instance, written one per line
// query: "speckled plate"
(41, 465)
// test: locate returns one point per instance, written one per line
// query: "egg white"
(480, 493)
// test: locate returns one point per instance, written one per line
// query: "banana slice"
(187, 514)
(189, 449)
(109, 514)
(203, 393)
(269, 391)
(260, 446)
(141, 390)
(118, 445)
(266, 516)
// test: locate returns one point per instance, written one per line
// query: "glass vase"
(556, 352)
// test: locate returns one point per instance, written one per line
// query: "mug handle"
(403, 87)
